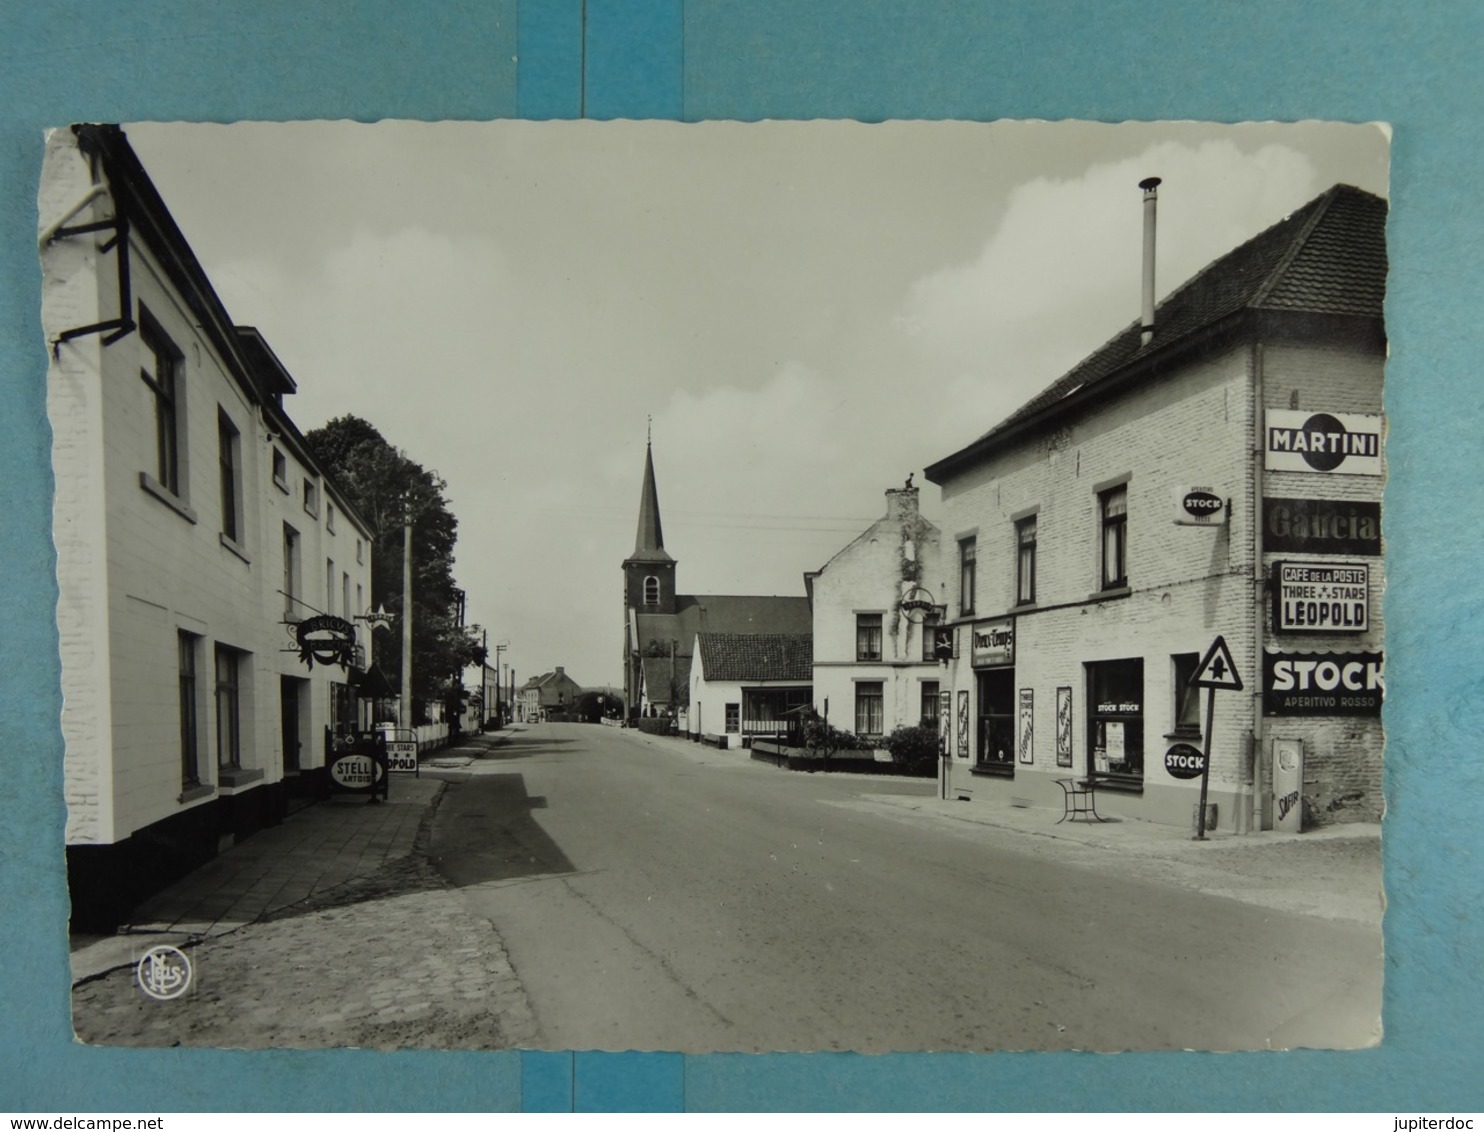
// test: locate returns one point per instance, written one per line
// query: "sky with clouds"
(808, 311)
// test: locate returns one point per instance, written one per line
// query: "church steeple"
(649, 573)
(649, 540)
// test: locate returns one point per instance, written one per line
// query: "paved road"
(657, 895)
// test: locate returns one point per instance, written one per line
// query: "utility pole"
(404, 709)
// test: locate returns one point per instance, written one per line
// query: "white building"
(193, 531)
(875, 605)
(1215, 470)
(748, 685)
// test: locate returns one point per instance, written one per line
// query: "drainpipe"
(1146, 318)
(1256, 822)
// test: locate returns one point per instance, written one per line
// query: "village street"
(592, 888)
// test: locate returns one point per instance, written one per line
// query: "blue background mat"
(1413, 65)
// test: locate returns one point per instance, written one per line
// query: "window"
(329, 516)
(360, 552)
(190, 755)
(967, 553)
(311, 497)
(868, 636)
(281, 470)
(1113, 505)
(329, 585)
(228, 454)
(345, 610)
(360, 599)
(1025, 561)
(651, 590)
(928, 716)
(290, 573)
(930, 635)
(1115, 720)
(996, 691)
(1187, 698)
(734, 718)
(228, 708)
(869, 709)
(161, 371)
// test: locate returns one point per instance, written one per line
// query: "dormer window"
(651, 590)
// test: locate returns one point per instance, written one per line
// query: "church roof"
(649, 540)
(722, 613)
(1327, 258)
(757, 656)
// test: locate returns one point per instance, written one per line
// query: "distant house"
(876, 605)
(549, 692)
(660, 626)
(749, 685)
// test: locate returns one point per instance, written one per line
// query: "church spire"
(649, 541)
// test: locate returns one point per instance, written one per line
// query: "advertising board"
(1340, 443)
(1323, 683)
(1321, 597)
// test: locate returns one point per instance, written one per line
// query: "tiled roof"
(1329, 257)
(757, 656)
(720, 613)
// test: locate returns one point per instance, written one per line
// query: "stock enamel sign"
(1322, 683)
(1321, 597)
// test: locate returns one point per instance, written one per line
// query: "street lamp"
(500, 699)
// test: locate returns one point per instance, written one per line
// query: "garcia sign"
(994, 642)
(1199, 507)
(1343, 443)
(1322, 683)
(1321, 526)
(1321, 597)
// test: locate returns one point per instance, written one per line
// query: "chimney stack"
(1150, 185)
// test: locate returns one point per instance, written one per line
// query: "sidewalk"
(315, 851)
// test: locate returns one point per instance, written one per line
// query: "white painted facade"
(865, 583)
(149, 569)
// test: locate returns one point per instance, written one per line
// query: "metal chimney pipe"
(1150, 186)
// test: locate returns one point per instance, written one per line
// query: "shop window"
(651, 590)
(967, 558)
(869, 709)
(1115, 711)
(868, 636)
(928, 716)
(1025, 561)
(228, 707)
(187, 646)
(228, 457)
(1187, 714)
(1113, 507)
(734, 718)
(161, 370)
(996, 738)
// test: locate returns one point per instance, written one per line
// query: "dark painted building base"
(107, 882)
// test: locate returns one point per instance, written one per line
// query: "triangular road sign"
(1217, 669)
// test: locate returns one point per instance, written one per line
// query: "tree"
(913, 749)
(383, 486)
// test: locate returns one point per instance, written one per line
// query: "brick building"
(194, 534)
(1214, 470)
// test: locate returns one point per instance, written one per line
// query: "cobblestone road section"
(330, 930)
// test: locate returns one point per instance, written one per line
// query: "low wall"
(854, 762)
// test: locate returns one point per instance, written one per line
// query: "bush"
(821, 738)
(663, 725)
(913, 749)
